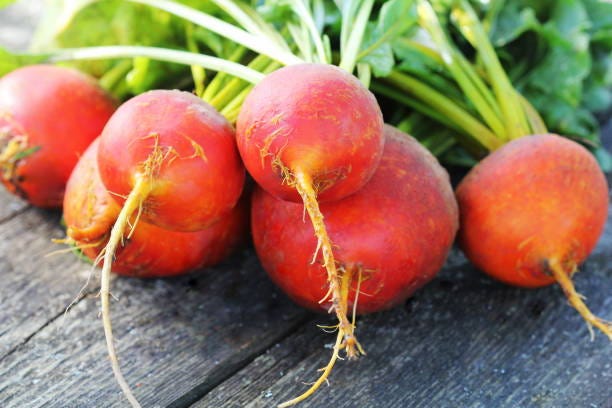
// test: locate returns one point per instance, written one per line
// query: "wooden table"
(226, 337)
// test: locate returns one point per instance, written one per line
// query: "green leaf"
(566, 119)
(426, 68)
(604, 158)
(597, 96)
(396, 17)
(561, 72)
(83, 23)
(4, 3)
(380, 57)
(458, 156)
(512, 22)
(549, 50)
(600, 15)
(10, 61)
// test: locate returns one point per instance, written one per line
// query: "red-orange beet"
(396, 232)
(314, 118)
(310, 133)
(171, 160)
(188, 148)
(89, 214)
(48, 117)
(390, 237)
(532, 211)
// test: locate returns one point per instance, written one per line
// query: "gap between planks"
(14, 214)
(43, 326)
(237, 362)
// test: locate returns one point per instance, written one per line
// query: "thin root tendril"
(576, 300)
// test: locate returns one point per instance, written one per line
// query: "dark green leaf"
(604, 158)
(380, 58)
(511, 23)
(566, 119)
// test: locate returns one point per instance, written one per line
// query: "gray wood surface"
(464, 341)
(176, 338)
(225, 337)
(35, 288)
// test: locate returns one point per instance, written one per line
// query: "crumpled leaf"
(558, 54)
(396, 17)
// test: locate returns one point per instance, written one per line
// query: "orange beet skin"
(313, 118)
(397, 230)
(90, 211)
(57, 112)
(535, 199)
(186, 149)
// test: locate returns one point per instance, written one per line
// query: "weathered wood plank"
(9, 205)
(176, 339)
(35, 289)
(464, 341)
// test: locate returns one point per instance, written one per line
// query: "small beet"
(170, 159)
(150, 251)
(532, 211)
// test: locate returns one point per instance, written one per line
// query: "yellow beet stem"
(304, 187)
(575, 299)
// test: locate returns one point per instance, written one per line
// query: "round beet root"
(312, 133)
(171, 160)
(532, 211)
(182, 150)
(48, 117)
(148, 251)
(315, 119)
(390, 237)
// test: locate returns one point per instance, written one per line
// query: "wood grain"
(464, 341)
(176, 339)
(36, 288)
(10, 205)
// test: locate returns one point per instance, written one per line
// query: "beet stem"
(575, 299)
